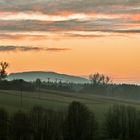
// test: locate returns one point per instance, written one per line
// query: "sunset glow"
(76, 37)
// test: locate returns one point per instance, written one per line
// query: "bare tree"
(99, 79)
(80, 123)
(3, 67)
(122, 122)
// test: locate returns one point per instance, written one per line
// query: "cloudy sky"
(72, 36)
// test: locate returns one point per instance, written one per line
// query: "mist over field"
(69, 70)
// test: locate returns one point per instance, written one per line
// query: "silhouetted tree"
(99, 79)
(48, 80)
(121, 122)
(4, 124)
(37, 117)
(80, 123)
(20, 126)
(53, 125)
(46, 124)
(3, 67)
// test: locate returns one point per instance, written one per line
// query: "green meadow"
(17, 100)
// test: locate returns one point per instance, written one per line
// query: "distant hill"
(33, 75)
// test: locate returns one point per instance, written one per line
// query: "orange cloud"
(13, 48)
(57, 49)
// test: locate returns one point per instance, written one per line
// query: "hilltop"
(33, 75)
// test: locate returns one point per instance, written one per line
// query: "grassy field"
(11, 100)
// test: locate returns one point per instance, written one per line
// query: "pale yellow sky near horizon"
(117, 57)
(77, 37)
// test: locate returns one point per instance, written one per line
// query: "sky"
(77, 37)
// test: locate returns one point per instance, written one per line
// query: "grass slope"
(11, 100)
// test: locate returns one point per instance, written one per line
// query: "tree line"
(77, 123)
(104, 89)
(100, 84)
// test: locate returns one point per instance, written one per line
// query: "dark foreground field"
(54, 115)
(11, 100)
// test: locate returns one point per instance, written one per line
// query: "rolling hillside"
(55, 100)
(33, 75)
